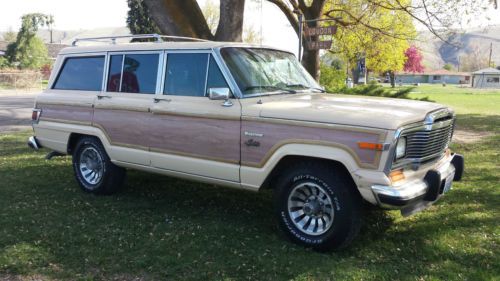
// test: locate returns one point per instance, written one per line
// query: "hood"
(375, 112)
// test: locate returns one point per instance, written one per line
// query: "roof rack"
(158, 38)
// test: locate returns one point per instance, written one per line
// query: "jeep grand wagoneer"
(246, 117)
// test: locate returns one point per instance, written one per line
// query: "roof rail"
(157, 37)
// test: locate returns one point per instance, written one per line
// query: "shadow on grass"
(477, 122)
(165, 228)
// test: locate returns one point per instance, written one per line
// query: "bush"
(379, 91)
(332, 79)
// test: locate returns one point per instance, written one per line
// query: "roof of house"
(489, 70)
(436, 72)
(54, 49)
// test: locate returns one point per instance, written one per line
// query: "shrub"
(332, 79)
(379, 91)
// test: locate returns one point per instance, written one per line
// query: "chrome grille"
(425, 144)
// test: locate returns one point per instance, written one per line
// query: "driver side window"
(186, 75)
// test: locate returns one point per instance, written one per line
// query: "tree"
(211, 13)
(185, 18)
(29, 51)
(138, 19)
(413, 60)
(475, 59)
(382, 46)
(436, 15)
(448, 67)
(9, 36)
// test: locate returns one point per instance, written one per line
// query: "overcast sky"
(90, 14)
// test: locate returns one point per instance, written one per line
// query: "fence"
(21, 80)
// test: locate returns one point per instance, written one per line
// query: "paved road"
(15, 110)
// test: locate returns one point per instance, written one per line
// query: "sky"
(91, 14)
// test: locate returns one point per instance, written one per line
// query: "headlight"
(401, 148)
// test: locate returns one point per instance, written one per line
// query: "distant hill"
(437, 53)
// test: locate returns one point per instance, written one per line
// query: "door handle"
(157, 100)
(99, 97)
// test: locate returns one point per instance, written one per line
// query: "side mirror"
(219, 93)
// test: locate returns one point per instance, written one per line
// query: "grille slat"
(422, 144)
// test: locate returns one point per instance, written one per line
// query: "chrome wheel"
(310, 208)
(91, 165)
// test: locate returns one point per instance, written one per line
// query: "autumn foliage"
(413, 61)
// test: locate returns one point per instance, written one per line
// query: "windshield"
(262, 71)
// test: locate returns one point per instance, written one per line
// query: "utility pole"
(491, 51)
(458, 70)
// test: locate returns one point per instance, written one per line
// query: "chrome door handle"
(101, 97)
(157, 100)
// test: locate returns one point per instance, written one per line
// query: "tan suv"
(244, 117)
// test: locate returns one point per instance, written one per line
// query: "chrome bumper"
(416, 195)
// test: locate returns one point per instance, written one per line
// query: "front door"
(193, 134)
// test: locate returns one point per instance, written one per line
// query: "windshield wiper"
(253, 87)
(305, 87)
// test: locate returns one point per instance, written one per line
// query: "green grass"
(464, 100)
(170, 229)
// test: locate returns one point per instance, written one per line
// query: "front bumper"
(417, 194)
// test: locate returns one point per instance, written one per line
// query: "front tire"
(94, 171)
(317, 206)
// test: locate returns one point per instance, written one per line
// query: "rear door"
(122, 111)
(193, 134)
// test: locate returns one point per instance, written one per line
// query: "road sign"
(316, 45)
(316, 31)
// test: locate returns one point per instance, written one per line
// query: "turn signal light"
(35, 114)
(371, 146)
(397, 175)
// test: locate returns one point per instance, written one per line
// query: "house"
(486, 78)
(434, 77)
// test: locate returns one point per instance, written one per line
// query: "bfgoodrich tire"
(94, 171)
(317, 206)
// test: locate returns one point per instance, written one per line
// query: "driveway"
(15, 110)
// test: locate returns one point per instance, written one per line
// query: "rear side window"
(186, 75)
(133, 73)
(81, 73)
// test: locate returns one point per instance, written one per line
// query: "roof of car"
(153, 46)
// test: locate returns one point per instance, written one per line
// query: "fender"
(254, 177)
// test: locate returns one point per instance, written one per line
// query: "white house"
(486, 78)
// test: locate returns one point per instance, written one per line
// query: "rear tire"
(94, 171)
(317, 206)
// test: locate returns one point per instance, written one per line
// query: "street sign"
(316, 31)
(316, 45)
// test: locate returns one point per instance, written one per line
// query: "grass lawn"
(169, 229)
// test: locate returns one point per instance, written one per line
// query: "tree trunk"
(179, 18)
(392, 77)
(311, 62)
(230, 26)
